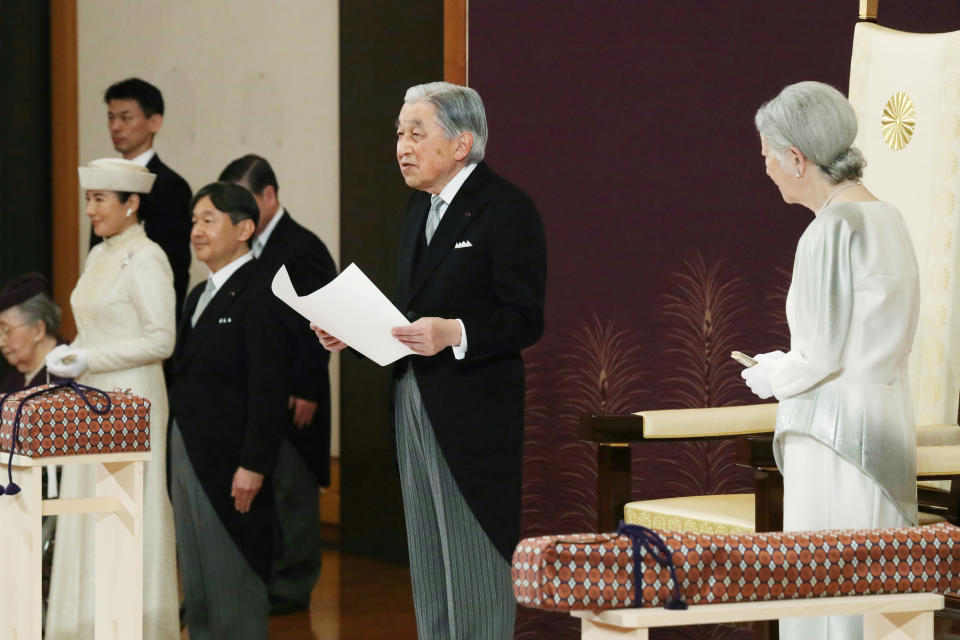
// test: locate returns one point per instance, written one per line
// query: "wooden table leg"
(768, 516)
(613, 485)
(119, 553)
(21, 549)
(910, 625)
(768, 496)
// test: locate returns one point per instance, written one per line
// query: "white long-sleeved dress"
(845, 437)
(125, 313)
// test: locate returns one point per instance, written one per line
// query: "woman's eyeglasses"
(5, 329)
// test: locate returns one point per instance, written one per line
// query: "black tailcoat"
(494, 281)
(306, 374)
(228, 406)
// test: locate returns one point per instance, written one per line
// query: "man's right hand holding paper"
(328, 341)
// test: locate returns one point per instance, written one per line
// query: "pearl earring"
(130, 211)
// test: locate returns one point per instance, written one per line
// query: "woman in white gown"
(124, 309)
(845, 438)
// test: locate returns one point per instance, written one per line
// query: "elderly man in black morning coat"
(471, 279)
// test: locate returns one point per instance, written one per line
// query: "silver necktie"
(433, 218)
(202, 303)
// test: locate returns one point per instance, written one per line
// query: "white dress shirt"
(447, 195)
(223, 274)
(144, 158)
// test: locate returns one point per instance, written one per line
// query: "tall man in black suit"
(227, 410)
(472, 274)
(303, 463)
(134, 116)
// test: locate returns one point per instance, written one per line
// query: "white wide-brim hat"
(116, 174)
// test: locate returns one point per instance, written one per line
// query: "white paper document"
(351, 308)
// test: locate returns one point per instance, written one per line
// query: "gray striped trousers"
(224, 597)
(461, 585)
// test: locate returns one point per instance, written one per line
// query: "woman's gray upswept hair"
(459, 109)
(39, 307)
(819, 121)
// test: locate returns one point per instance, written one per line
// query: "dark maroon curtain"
(631, 126)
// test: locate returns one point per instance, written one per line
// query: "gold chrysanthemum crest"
(898, 121)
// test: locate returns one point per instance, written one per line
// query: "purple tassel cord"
(80, 389)
(648, 540)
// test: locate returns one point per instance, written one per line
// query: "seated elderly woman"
(29, 322)
(845, 439)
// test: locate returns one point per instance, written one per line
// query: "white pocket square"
(463, 244)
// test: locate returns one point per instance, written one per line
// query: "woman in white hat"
(124, 309)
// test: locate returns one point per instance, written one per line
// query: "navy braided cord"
(648, 540)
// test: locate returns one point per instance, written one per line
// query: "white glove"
(758, 376)
(771, 356)
(67, 362)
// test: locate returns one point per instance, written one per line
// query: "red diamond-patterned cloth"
(596, 571)
(59, 423)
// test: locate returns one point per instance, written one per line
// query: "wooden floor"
(355, 598)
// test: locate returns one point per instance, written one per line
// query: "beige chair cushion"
(938, 460)
(930, 518)
(707, 514)
(716, 514)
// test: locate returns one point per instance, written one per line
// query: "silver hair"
(40, 308)
(819, 121)
(459, 110)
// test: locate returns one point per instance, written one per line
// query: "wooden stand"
(907, 616)
(118, 505)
